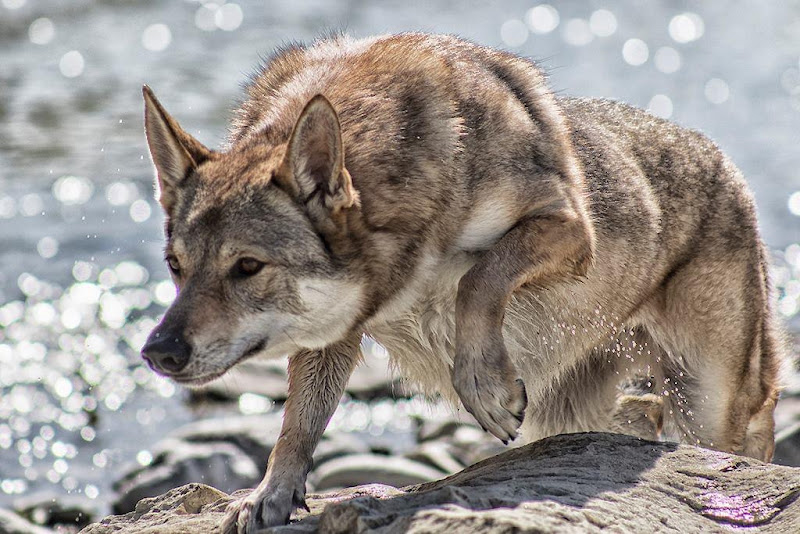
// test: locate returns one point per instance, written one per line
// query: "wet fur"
(481, 228)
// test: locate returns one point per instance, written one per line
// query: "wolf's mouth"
(190, 380)
(254, 349)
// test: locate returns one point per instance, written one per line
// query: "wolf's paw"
(639, 415)
(485, 382)
(267, 506)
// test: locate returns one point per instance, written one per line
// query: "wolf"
(518, 253)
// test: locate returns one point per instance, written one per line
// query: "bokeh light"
(71, 64)
(577, 32)
(686, 27)
(41, 31)
(514, 33)
(603, 23)
(667, 60)
(716, 91)
(156, 37)
(635, 52)
(228, 17)
(660, 105)
(542, 19)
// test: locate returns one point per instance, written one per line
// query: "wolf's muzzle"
(166, 353)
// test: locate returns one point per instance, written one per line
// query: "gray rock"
(228, 453)
(50, 509)
(255, 435)
(179, 462)
(438, 455)
(370, 380)
(357, 469)
(11, 523)
(787, 412)
(569, 483)
(432, 430)
(471, 444)
(787, 446)
(179, 511)
(338, 444)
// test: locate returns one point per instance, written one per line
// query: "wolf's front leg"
(316, 382)
(538, 251)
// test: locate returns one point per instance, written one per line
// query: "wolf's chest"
(418, 326)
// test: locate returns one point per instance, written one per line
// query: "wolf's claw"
(489, 391)
(269, 505)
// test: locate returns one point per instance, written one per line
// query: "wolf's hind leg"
(590, 396)
(537, 251)
(638, 415)
(720, 373)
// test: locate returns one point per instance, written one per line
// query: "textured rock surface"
(570, 483)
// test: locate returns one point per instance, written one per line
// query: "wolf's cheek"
(330, 309)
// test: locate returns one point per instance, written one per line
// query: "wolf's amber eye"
(174, 266)
(247, 267)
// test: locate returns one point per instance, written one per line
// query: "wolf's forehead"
(209, 223)
(220, 229)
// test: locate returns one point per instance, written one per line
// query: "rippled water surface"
(81, 277)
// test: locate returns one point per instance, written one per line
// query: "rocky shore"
(583, 480)
(570, 483)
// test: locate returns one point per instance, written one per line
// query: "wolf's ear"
(313, 168)
(175, 153)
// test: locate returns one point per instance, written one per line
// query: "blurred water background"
(81, 276)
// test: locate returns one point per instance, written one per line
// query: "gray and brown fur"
(439, 198)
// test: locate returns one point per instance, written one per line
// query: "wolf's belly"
(545, 335)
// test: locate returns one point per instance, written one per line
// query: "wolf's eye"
(247, 267)
(174, 266)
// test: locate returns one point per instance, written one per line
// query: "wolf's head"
(256, 243)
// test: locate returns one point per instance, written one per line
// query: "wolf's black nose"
(166, 353)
